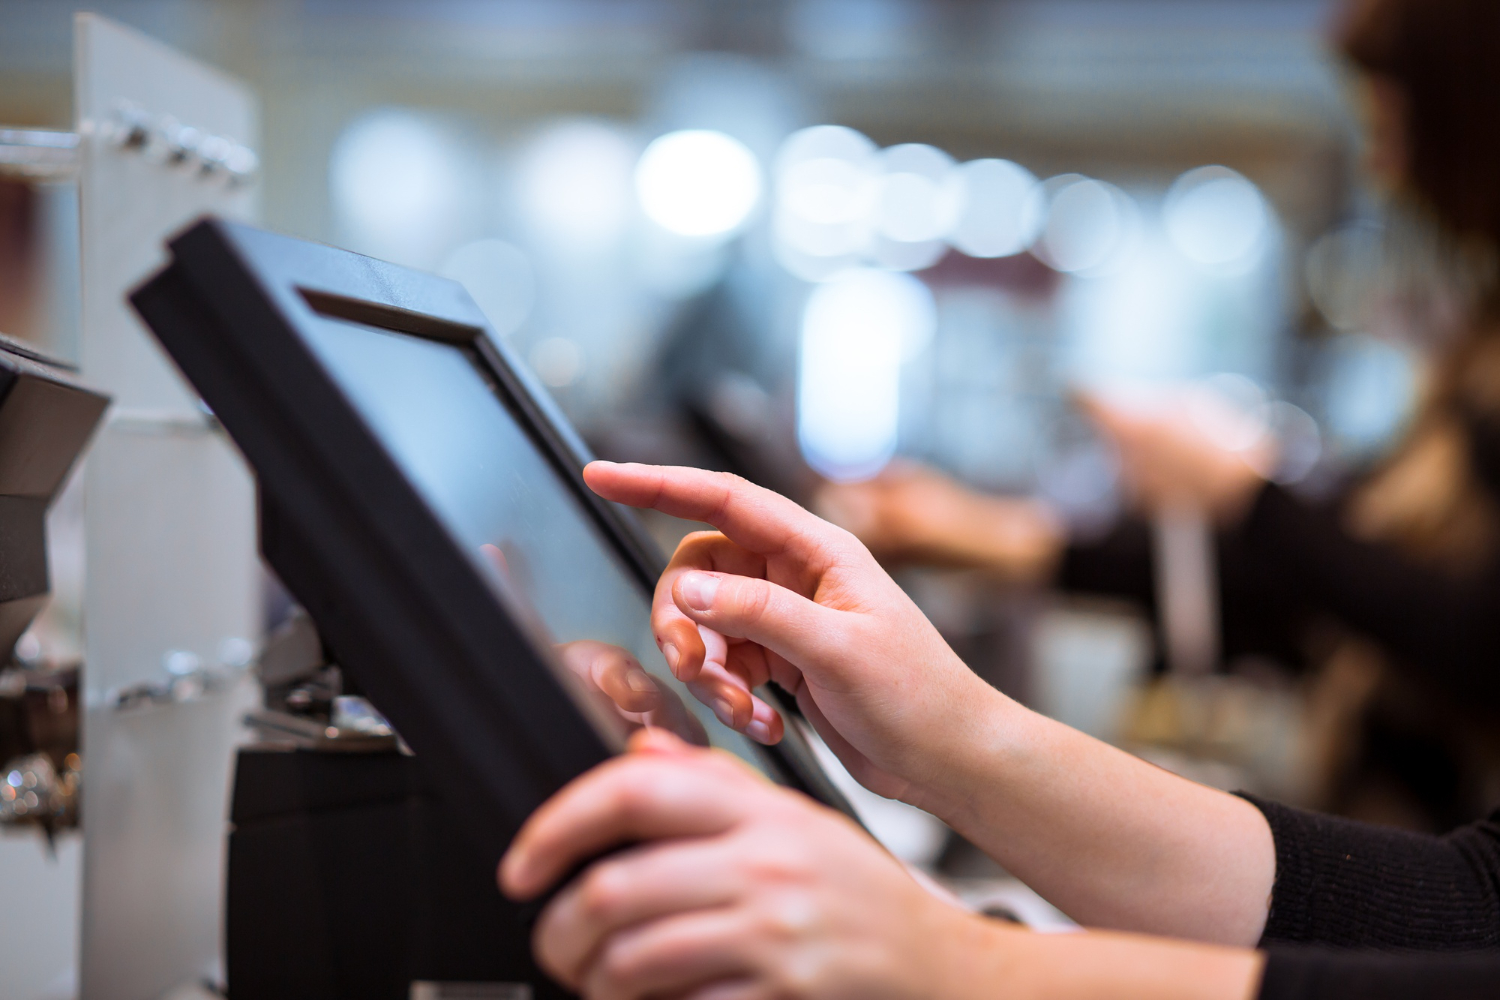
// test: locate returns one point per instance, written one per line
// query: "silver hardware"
(187, 679)
(309, 733)
(164, 138)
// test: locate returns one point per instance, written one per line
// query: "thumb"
(800, 631)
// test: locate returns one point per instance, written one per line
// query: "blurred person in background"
(1408, 558)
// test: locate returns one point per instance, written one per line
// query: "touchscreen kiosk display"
(449, 428)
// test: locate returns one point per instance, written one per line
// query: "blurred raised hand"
(911, 513)
(1185, 449)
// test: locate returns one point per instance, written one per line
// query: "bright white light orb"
(819, 142)
(1217, 218)
(1000, 213)
(500, 279)
(918, 195)
(1089, 224)
(698, 182)
(826, 179)
(856, 331)
(573, 184)
(394, 181)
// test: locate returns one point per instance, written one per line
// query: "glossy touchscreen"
(451, 433)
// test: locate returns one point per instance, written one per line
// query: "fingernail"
(670, 652)
(698, 589)
(758, 731)
(638, 681)
(724, 712)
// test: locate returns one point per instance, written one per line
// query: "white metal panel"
(170, 529)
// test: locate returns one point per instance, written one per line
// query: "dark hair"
(1444, 56)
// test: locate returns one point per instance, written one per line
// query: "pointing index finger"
(761, 521)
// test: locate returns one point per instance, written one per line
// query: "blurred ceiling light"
(500, 279)
(395, 183)
(837, 142)
(698, 182)
(896, 255)
(856, 331)
(1000, 213)
(826, 191)
(918, 194)
(556, 361)
(573, 183)
(825, 180)
(1217, 218)
(1089, 225)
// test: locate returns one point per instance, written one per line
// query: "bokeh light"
(918, 196)
(1369, 391)
(999, 212)
(499, 277)
(825, 187)
(698, 182)
(557, 361)
(1343, 269)
(856, 331)
(395, 184)
(1089, 225)
(573, 185)
(1217, 218)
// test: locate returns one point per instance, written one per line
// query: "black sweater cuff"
(1355, 885)
(1326, 974)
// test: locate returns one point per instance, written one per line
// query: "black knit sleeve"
(1435, 624)
(1326, 974)
(1355, 885)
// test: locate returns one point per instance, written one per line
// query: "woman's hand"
(1107, 838)
(617, 678)
(913, 513)
(734, 889)
(803, 603)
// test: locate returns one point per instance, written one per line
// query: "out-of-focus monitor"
(46, 419)
(423, 498)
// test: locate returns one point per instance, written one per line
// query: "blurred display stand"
(172, 573)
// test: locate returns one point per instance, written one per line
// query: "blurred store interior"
(828, 241)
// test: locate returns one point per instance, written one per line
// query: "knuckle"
(616, 967)
(635, 794)
(602, 892)
(753, 600)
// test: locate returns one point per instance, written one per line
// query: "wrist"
(966, 766)
(972, 955)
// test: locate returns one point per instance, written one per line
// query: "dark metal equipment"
(46, 419)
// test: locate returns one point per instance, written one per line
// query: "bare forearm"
(1109, 839)
(1126, 967)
